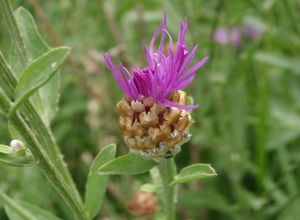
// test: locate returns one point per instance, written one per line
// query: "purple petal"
(163, 36)
(129, 88)
(193, 69)
(183, 84)
(149, 57)
(115, 72)
(169, 103)
(183, 29)
(188, 59)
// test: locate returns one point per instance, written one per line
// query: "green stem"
(8, 16)
(8, 82)
(45, 163)
(48, 167)
(45, 141)
(5, 104)
(45, 137)
(167, 169)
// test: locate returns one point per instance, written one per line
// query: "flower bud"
(143, 204)
(16, 145)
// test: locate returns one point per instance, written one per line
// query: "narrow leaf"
(18, 210)
(17, 161)
(194, 172)
(97, 184)
(127, 164)
(46, 98)
(38, 73)
(5, 149)
(291, 210)
(278, 60)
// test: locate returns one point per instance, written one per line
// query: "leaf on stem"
(127, 164)
(18, 210)
(46, 98)
(38, 73)
(194, 172)
(5, 149)
(96, 185)
(16, 159)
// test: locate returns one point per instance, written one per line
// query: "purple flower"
(167, 69)
(235, 37)
(225, 36)
(252, 31)
(221, 35)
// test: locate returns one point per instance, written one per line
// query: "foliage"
(247, 126)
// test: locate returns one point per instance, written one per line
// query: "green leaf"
(278, 60)
(151, 187)
(35, 44)
(291, 211)
(46, 98)
(97, 184)
(17, 161)
(127, 164)
(194, 172)
(18, 210)
(38, 73)
(5, 149)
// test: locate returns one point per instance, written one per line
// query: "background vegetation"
(248, 125)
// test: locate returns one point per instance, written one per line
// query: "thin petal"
(169, 103)
(183, 84)
(194, 68)
(115, 72)
(163, 36)
(188, 59)
(183, 29)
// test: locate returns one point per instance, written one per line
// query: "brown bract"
(146, 124)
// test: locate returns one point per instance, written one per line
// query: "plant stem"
(28, 120)
(8, 16)
(167, 169)
(48, 167)
(8, 82)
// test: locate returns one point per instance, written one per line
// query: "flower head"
(221, 35)
(154, 116)
(167, 69)
(252, 31)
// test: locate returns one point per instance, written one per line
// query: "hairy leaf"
(38, 73)
(46, 98)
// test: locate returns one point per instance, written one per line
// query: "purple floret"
(167, 69)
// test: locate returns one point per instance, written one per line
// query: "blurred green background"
(248, 125)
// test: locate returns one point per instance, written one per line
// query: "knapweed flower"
(235, 37)
(252, 32)
(223, 35)
(154, 113)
